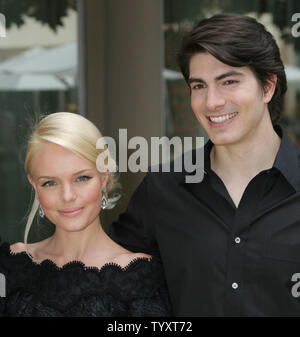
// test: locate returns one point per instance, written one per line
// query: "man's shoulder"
(178, 168)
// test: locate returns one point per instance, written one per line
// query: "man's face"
(228, 101)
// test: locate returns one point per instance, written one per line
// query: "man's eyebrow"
(218, 78)
(49, 177)
(229, 73)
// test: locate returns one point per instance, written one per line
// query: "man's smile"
(218, 121)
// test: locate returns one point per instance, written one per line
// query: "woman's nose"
(68, 193)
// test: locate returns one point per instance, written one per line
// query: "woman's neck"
(81, 245)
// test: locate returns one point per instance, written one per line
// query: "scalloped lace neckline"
(74, 263)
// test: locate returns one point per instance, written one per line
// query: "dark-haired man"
(230, 244)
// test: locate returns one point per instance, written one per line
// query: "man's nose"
(214, 99)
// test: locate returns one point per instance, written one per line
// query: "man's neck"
(246, 159)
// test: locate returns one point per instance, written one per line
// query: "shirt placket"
(237, 242)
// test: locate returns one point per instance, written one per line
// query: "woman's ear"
(31, 181)
(104, 178)
(269, 88)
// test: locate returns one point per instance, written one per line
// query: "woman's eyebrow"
(50, 177)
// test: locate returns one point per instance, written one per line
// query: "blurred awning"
(292, 74)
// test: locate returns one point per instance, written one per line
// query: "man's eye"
(48, 183)
(229, 82)
(197, 86)
(83, 178)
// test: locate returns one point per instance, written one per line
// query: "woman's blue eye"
(48, 183)
(84, 178)
(52, 183)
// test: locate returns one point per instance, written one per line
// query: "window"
(38, 75)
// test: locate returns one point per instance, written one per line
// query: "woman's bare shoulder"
(137, 255)
(17, 247)
(124, 259)
(20, 247)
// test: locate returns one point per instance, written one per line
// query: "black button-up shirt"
(221, 260)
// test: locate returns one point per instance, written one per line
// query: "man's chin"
(224, 140)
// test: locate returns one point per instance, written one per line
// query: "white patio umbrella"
(34, 83)
(30, 82)
(9, 64)
(292, 73)
(39, 69)
(60, 61)
(169, 74)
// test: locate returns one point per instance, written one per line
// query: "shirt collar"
(286, 160)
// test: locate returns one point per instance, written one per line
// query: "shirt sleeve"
(133, 230)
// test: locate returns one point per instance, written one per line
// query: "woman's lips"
(71, 212)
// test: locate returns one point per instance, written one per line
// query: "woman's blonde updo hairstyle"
(75, 133)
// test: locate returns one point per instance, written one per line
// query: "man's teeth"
(222, 118)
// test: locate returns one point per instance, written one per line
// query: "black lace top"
(74, 290)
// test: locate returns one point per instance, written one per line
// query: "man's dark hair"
(238, 40)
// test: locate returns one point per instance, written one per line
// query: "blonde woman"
(79, 270)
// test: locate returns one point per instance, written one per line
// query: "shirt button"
(235, 285)
(237, 240)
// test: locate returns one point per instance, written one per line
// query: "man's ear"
(31, 181)
(269, 88)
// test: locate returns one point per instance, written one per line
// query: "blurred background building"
(113, 61)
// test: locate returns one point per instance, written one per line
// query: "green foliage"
(194, 10)
(181, 13)
(48, 12)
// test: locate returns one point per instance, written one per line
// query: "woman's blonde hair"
(75, 133)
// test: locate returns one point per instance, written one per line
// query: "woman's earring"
(104, 201)
(41, 212)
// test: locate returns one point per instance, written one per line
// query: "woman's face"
(69, 187)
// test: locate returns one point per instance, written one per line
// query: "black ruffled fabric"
(74, 290)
